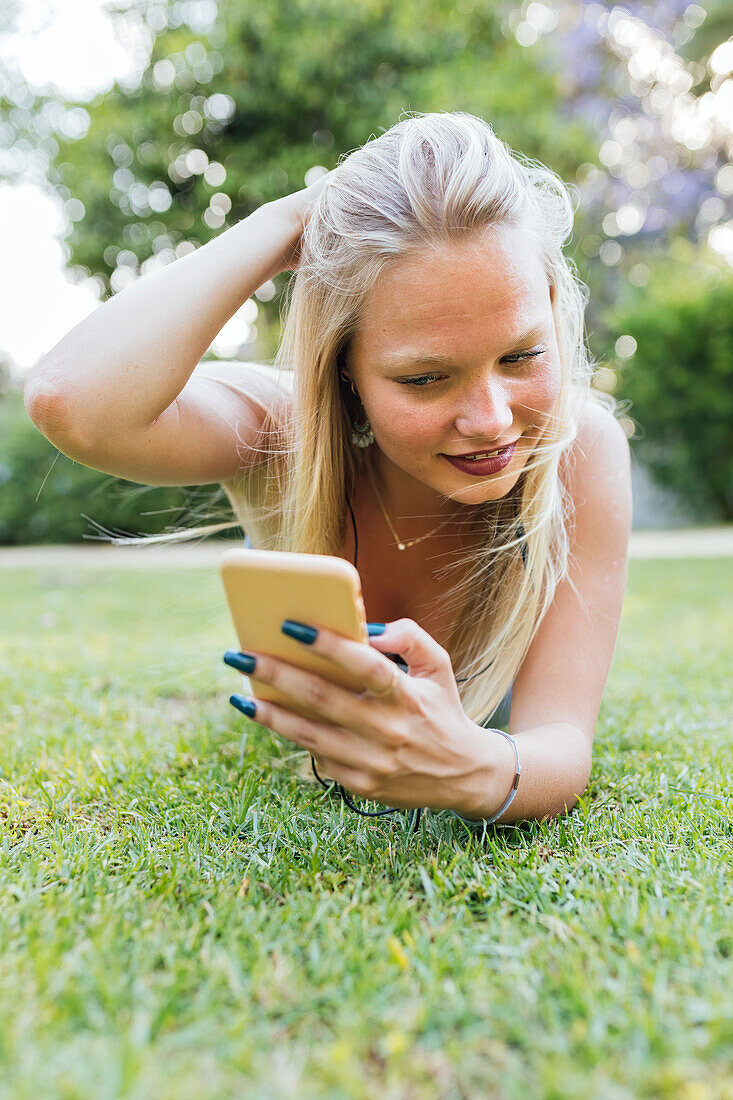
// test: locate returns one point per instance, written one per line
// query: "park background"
(181, 913)
(132, 133)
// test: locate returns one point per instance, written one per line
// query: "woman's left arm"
(557, 692)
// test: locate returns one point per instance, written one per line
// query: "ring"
(383, 692)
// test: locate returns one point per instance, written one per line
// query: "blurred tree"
(675, 366)
(234, 107)
(709, 25)
(237, 103)
(648, 77)
(46, 497)
(5, 373)
(233, 113)
(27, 117)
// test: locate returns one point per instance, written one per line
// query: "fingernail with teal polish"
(241, 661)
(299, 631)
(241, 702)
(375, 629)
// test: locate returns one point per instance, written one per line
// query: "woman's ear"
(343, 362)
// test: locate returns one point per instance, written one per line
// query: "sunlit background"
(132, 133)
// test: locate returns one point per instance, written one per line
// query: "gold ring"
(383, 692)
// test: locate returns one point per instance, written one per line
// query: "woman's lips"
(483, 466)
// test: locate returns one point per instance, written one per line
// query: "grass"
(182, 916)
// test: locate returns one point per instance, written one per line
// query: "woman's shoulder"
(271, 388)
(597, 472)
(268, 387)
(277, 378)
(600, 438)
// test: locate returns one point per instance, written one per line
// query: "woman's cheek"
(407, 426)
(541, 392)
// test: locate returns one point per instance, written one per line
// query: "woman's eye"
(524, 355)
(424, 380)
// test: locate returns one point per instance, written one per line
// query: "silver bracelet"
(512, 792)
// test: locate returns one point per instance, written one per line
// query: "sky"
(70, 44)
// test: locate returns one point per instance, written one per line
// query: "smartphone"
(263, 587)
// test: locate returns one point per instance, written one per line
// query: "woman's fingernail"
(299, 631)
(241, 661)
(375, 629)
(243, 703)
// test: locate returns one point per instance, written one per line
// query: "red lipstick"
(482, 467)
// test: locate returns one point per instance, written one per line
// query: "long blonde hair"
(430, 180)
(427, 181)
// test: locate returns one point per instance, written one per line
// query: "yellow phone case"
(263, 587)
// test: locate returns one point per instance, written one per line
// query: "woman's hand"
(413, 747)
(297, 208)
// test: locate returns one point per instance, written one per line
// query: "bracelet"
(512, 792)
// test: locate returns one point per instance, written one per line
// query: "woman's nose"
(487, 414)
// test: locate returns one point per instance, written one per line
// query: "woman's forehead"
(445, 292)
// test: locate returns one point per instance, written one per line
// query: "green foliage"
(182, 916)
(680, 380)
(307, 80)
(45, 497)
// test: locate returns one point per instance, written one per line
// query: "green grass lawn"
(182, 916)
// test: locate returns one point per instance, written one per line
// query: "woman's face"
(484, 308)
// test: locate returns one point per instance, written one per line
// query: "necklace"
(410, 542)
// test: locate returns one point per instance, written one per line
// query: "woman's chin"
(482, 490)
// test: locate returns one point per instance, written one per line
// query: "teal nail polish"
(243, 662)
(375, 629)
(241, 702)
(299, 631)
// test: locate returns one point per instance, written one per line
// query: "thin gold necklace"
(410, 542)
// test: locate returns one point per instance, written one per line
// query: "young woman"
(432, 317)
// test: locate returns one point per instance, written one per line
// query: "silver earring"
(362, 434)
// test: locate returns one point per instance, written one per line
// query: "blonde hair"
(431, 180)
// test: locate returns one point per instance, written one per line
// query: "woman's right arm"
(114, 393)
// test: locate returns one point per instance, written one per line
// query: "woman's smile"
(483, 467)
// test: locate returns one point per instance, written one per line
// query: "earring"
(362, 434)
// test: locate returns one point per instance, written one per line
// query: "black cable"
(346, 797)
(353, 524)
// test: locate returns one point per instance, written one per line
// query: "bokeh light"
(604, 379)
(239, 331)
(625, 347)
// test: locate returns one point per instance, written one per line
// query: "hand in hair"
(297, 207)
(413, 746)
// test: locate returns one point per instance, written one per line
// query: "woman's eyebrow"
(402, 358)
